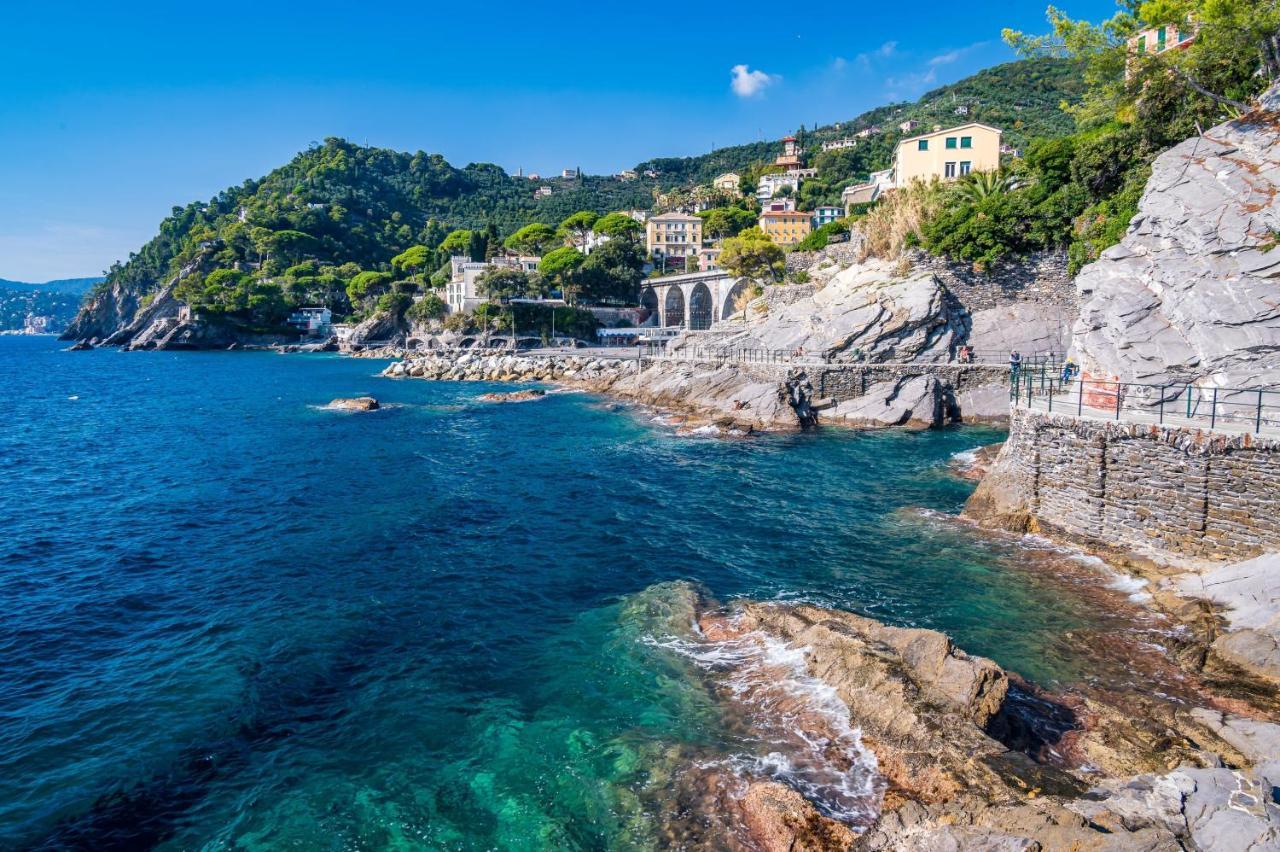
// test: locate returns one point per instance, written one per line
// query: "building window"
(1142, 44)
(922, 145)
(949, 170)
(966, 141)
(1160, 36)
(951, 141)
(965, 167)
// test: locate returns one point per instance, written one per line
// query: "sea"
(233, 618)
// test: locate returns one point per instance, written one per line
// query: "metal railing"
(1049, 361)
(1252, 410)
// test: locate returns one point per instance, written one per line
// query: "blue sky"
(111, 114)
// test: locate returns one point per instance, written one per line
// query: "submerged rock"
(513, 396)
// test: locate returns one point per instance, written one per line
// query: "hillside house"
(790, 156)
(729, 182)
(786, 227)
(826, 213)
(947, 154)
(1157, 40)
(671, 235)
(868, 132)
(769, 185)
(909, 125)
(839, 144)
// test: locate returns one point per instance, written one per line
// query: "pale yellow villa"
(947, 154)
(728, 182)
(673, 235)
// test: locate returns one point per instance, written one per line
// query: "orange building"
(786, 227)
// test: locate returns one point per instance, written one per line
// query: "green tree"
(532, 239)
(723, 222)
(458, 242)
(612, 273)
(617, 225)
(577, 227)
(505, 283)
(753, 255)
(561, 266)
(367, 285)
(411, 260)
(429, 307)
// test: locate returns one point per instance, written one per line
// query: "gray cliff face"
(1192, 293)
(867, 311)
(105, 313)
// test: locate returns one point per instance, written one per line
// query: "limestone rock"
(1249, 593)
(1028, 327)
(870, 307)
(359, 403)
(915, 402)
(1192, 293)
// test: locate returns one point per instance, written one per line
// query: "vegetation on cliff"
(1079, 191)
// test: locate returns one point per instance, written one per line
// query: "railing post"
(1213, 412)
(1117, 399)
(1162, 404)
(1188, 402)
(1257, 426)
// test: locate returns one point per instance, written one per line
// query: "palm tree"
(982, 185)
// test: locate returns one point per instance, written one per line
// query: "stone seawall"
(1171, 492)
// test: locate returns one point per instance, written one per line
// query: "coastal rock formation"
(916, 402)
(1248, 593)
(514, 396)
(358, 403)
(380, 327)
(950, 743)
(867, 311)
(1190, 294)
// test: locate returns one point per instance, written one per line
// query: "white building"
(312, 322)
(769, 185)
(839, 144)
(825, 214)
(462, 292)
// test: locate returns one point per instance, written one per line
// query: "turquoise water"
(231, 618)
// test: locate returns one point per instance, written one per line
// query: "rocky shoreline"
(964, 755)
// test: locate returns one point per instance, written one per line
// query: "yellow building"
(947, 154)
(673, 235)
(786, 227)
(729, 182)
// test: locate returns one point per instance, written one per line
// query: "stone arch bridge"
(695, 300)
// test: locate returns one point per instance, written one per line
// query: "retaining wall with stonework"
(1174, 491)
(1040, 277)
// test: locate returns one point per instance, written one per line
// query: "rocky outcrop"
(1248, 596)
(1190, 294)
(381, 327)
(867, 311)
(916, 402)
(949, 738)
(357, 403)
(515, 396)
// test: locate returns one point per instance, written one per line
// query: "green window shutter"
(922, 145)
(951, 141)
(966, 141)
(1142, 44)
(1160, 36)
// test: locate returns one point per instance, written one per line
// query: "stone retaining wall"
(1175, 490)
(1040, 277)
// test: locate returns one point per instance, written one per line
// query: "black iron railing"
(1236, 409)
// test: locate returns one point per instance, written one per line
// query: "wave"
(796, 728)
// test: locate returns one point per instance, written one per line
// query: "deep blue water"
(230, 618)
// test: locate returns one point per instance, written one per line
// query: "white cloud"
(959, 53)
(889, 48)
(747, 83)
